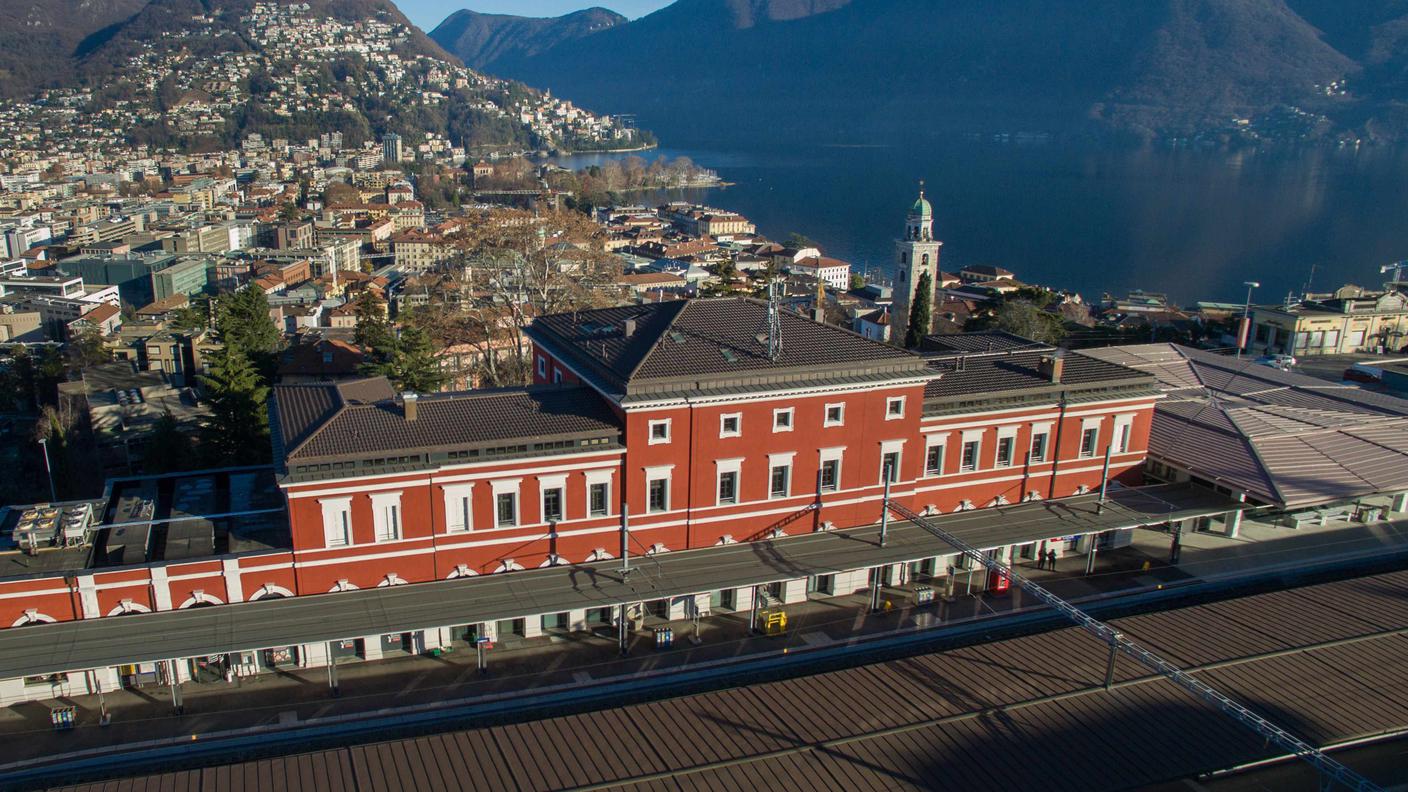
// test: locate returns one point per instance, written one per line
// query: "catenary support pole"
(885, 508)
(176, 703)
(332, 671)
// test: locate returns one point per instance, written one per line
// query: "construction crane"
(1332, 773)
(1396, 268)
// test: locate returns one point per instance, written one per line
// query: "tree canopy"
(237, 431)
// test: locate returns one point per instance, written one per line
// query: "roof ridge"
(1247, 440)
(340, 406)
(655, 344)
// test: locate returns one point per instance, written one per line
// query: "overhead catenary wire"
(1331, 771)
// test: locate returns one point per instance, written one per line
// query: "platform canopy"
(144, 637)
(1284, 439)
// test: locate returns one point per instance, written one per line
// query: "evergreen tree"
(86, 348)
(236, 432)
(414, 365)
(373, 334)
(242, 320)
(919, 312)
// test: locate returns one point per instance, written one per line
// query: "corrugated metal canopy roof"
(1283, 438)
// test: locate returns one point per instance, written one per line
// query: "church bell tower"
(915, 254)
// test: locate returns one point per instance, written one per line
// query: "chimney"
(628, 328)
(408, 404)
(1052, 366)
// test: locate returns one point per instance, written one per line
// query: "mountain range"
(705, 71)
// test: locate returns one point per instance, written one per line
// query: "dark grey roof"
(979, 341)
(707, 342)
(1283, 438)
(363, 417)
(1019, 370)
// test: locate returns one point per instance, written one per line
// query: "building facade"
(650, 429)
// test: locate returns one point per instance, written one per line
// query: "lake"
(1191, 223)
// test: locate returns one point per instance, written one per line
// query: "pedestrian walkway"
(286, 698)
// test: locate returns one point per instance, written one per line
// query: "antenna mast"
(775, 320)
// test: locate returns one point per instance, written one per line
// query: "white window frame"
(508, 487)
(595, 477)
(386, 516)
(737, 430)
(1005, 433)
(1040, 430)
(974, 436)
(734, 466)
(836, 455)
(890, 401)
(659, 473)
(930, 443)
(459, 507)
(1086, 426)
(888, 447)
(1123, 432)
(337, 519)
(542, 366)
(546, 484)
(826, 415)
(790, 412)
(650, 435)
(782, 460)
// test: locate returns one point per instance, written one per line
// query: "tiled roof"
(1019, 370)
(361, 417)
(1281, 437)
(981, 341)
(710, 341)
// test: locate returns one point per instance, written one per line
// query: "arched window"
(462, 570)
(32, 616)
(926, 259)
(270, 591)
(904, 258)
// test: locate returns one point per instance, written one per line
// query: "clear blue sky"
(429, 13)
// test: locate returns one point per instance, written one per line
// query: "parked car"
(1283, 362)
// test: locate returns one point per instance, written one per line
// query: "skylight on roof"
(729, 355)
(677, 336)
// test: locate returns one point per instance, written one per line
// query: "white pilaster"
(161, 589)
(234, 589)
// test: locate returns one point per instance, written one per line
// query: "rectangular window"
(1121, 436)
(458, 505)
(659, 495)
(1089, 439)
(557, 376)
(337, 522)
(1356, 340)
(542, 366)
(835, 415)
(1004, 451)
(830, 475)
(970, 455)
(782, 420)
(730, 425)
(386, 516)
(728, 487)
(780, 481)
(894, 407)
(506, 509)
(934, 460)
(660, 431)
(598, 497)
(890, 466)
(1039, 446)
(552, 505)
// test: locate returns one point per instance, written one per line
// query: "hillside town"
(283, 70)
